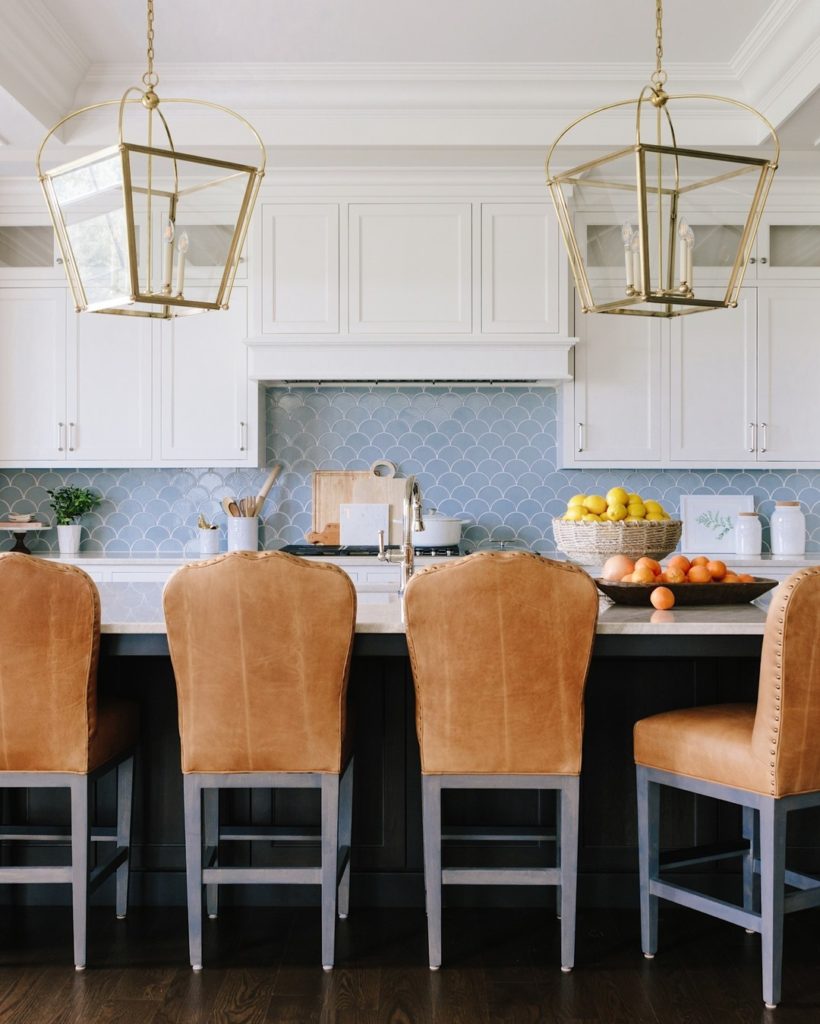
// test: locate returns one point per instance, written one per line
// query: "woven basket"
(597, 541)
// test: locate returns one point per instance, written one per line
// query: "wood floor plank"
(243, 997)
(190, 997)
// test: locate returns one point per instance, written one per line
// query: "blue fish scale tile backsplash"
(487, 455)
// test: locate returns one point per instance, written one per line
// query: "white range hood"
(443, 362)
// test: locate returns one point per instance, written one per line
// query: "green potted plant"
(69, 503)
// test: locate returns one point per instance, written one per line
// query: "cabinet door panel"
(410, 268)
(519, 268)
(617, 389)
(109, 389)
(204, 386)
(712, 378)
(32, 375)
(789, 247)
(300, 268)
(788, 374)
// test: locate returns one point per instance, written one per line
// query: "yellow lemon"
(576, 499)
(653, 506)
(595, 503)
(590, 517)
(573, 514)
(634, 519)
(654, 517)
(634, 499)
(637, 509)
(665, 515)
(616, 512)
(617, 496)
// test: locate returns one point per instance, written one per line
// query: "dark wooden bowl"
(637, 594)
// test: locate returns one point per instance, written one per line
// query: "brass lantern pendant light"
(125, 216)
(640, 212)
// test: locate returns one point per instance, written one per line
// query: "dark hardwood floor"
(262, 967)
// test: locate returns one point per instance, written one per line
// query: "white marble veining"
(136, 608)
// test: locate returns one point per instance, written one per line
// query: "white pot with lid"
(439, 530)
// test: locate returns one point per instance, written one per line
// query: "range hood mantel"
(424, 363)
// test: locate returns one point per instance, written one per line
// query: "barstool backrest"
(260, 644)
(500, 645)
(787, 722)
(49, 649)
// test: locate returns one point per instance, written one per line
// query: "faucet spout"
(412, 522)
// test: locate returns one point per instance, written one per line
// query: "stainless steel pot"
(439, 530)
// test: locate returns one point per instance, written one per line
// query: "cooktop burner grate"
(363, 551)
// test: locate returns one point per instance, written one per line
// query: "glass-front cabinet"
(788, 247)
(28, 249)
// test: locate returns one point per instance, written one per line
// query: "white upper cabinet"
(410, 268)
(789, 374)
(208, 412)
(788, 247)
(519, 269)
(300, 268)
(712, 384)
(616, 394)
(33, 422)
(109, 388)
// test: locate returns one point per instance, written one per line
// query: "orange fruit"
(662, 598)
(744, 577)
(679, 562)
(699, 574)
(643, 576)
(675, 575)
(649, 563)
(616, 567)
(730, 577)
(663, 578)
(700, 560)
(717, 569)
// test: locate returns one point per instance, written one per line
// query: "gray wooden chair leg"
(345, 834)
(772, 896)
(210, 799)
(193, 866)
(750, 833)
(558, 850)
(125, 794)
(431, 820)
(330, 862)
(80, 843)
(569, 798)
(648, 858)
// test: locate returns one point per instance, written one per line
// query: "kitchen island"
(643, 663)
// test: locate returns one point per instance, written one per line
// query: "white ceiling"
(401, 30)
(479, 80)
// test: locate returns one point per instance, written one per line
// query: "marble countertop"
(136, 608)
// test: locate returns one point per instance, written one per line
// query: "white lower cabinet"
(616, 394)
(209, 411)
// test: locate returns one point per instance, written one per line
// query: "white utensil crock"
(243, 533)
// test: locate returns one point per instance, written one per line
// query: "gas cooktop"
(362, 551)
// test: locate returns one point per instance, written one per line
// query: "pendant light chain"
(150, 78)
(658, 75)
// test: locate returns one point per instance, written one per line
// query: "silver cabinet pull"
(580, 437)
(71, 436)
(60, 429)
(764, 437)
(243, 436)
(752, 438)
(59, 260)
(753, 259)
(763, 259)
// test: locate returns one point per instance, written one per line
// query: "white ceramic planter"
(68, 538)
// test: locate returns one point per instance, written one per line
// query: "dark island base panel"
(387, 847)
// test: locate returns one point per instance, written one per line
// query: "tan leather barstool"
(53, 733)
(500, 645)
(766, 758)
(260, 644)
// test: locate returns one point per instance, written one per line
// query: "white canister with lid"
(748, 534)
(788, 525)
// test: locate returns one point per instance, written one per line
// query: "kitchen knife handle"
(752, 438)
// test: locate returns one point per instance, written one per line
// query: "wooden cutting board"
(332, 488)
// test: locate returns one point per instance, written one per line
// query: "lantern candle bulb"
(167, 256)
(627, 235)
(686, 243)
(635, 250)
(182, 248)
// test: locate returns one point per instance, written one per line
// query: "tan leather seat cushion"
(712, 743)
(117, 731)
